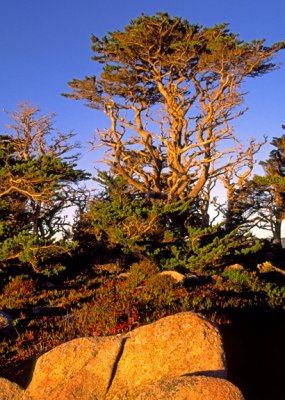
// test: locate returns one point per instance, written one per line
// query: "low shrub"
(143, 269)
(19, 292)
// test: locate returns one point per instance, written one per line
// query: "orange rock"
(156, 361)
(190, 388)
(80, 369)
(181, 344)
(10, 390)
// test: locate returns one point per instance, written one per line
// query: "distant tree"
(270, 190)
(38, 181)
(240, 206)
(171, 90)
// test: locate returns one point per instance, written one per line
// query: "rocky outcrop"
(234, 267)
(177, 357)
(190, 388)
(10, 390)
(79, 369)
(181, 344)
(176, 276)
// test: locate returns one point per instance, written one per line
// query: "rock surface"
(79, 369)
(234, 267)
(178, 278)
(178, 357)
(190, 388)
(10, 390)
(181, 344)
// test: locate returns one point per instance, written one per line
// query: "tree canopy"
(270, 190)
(171, 90)
(38, 181)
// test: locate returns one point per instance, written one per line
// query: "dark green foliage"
(38, 181)
(269, 190)
(171, 234)
(142, 270)
(208, 248)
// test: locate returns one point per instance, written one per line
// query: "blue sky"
(45, 44)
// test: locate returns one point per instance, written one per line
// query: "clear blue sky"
(46, 43)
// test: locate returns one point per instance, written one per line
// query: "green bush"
(170, 234)
(143, 269)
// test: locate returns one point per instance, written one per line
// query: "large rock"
(10, 390)
(181, 344)
(79, 369)
(176, 276)
(234, 267)
(159, 360)
(190, 388)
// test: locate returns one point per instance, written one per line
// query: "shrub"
(143, 269)
(170, 234)
(239, 278)
(18, 292)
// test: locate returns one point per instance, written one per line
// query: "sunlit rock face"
(79, 369)
(190, 388)
(181, 344)
(177, 357)
(10, 390)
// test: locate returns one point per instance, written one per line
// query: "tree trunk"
(277, 233)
